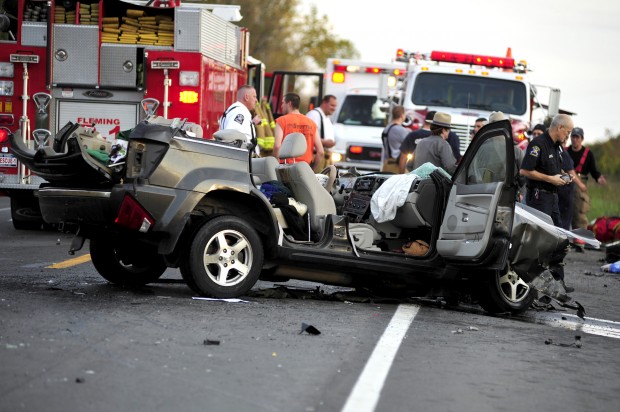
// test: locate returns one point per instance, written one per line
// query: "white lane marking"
(592, 326)
(365, 394)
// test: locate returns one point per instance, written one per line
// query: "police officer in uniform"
(238, 116)
(542, 168)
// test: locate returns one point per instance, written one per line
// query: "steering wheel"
(332, 173)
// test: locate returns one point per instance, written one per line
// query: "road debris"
(577, 343)
(311, 330)
(211, 342)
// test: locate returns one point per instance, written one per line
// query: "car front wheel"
(225, 259)
(505, 291)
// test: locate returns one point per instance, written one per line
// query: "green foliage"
(607, 155)
(605, 199)
(284, 38)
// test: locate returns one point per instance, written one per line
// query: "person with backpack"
(392, 137)
(585, 165)
(320, 116)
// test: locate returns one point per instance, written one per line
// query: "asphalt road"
(69, 341)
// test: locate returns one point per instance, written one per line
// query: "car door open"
(478, 217)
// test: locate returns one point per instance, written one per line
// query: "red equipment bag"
(606, 229)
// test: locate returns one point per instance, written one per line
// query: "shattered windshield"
(363, 111)
(473, 92)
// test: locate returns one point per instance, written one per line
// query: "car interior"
(350, 195)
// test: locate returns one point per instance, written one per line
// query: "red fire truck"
(107, 64)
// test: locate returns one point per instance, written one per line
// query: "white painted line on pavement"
(365, 394)
(592, 326)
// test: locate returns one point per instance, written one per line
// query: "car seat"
(301, 179)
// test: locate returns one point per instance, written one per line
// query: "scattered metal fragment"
(309, 329)
(210, 342)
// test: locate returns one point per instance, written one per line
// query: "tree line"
(285, 37)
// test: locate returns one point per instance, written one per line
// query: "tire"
(225, 259)
(124, 264)
(25, 213)
(187, 277)
(504, 291)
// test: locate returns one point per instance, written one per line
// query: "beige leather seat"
(300, 178)
(264, 169)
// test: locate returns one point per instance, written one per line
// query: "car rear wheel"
(124, 264)
(225, 259)
(505, 291)
(25, 213)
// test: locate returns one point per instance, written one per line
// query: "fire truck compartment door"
(75, 54)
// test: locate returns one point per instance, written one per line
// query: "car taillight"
(132, 215)
(356, 149)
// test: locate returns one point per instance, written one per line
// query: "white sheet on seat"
(390, 196)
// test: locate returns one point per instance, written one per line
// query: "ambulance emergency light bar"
(338, 76)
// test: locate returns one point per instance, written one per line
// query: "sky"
(573, 46)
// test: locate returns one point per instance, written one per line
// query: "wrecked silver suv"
(210, 209)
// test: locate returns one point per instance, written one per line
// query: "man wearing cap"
(434, 148)
(538, 130)
(542, 168)
(585, 165)
(407, 147)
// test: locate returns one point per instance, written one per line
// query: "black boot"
(569, 289)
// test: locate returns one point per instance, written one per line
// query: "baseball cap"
(577, 131)
(429, 116)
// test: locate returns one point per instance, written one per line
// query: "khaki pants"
(321, 164)
(581, 208)
(390, 165)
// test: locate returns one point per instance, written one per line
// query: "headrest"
(293, 145)
(193, 129)
(229, 136)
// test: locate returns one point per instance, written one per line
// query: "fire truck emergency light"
(188, 96)
(7, 70)
(338, 77)
(188, 78)
(4, 135)
(487, 61)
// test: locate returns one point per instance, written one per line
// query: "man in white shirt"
(320, 116)
(238, 116)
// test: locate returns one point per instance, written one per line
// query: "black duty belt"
(540, 189)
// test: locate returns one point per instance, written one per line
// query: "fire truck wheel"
(25, 213)
(125, 264)
(505, 291)
(225, 258)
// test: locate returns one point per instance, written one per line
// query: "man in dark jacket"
(585, 165)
